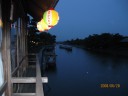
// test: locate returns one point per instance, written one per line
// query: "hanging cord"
(11, 11)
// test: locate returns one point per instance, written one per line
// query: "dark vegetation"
(104, 43)
(38, 39)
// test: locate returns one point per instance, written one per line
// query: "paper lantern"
(39, 27)
(51, 17)
(42, 26)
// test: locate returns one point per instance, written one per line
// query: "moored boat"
(68, 48)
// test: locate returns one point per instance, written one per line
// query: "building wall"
(1, 63)
(12, 50)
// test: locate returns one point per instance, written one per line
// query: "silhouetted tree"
(96, 41)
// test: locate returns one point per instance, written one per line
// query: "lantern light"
(42, 26)
(39, 27)
(1, 24)
(51, 17)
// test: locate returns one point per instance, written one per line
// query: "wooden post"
(23, 24)
(17, 51)
(26, 43)
(6, 56)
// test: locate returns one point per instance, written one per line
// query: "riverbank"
(113, 52)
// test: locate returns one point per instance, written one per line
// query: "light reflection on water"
(80, 73)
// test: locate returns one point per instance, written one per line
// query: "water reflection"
(80, 73)
(51, 69)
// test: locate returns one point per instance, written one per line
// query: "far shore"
(114, 52)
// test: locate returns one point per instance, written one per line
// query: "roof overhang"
(36, 8)
(19, 8)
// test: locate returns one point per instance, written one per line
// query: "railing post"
(39, 85)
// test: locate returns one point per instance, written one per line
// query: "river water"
(81, 73)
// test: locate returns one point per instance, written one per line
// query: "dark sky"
(80, 18)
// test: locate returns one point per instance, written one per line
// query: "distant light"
(1, 24)
(51, 17)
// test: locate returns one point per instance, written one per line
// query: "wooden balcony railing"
(38, 80)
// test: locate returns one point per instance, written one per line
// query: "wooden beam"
(3, 88)
(39, 85)
(6, 53)
(18, 65)
(28, 80)
(31, 54)
(9, 59)
(23, 94)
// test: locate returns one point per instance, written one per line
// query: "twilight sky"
(80, 18)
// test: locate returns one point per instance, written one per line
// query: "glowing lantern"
(42, 26)
(39, 27)
(1, 24)
(51, 17)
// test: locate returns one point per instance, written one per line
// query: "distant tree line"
(96, 41)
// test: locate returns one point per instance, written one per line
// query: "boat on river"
(68, 48)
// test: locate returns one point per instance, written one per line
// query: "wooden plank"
(15, 70)
(39, 85)
(31, 54)
(44, 79)
(23, 80)
(28, 80)
(3, 88)
(23, 94)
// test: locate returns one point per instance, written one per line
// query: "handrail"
(38, 80)
(23, 94)
(28, 79)
(39, 86)
(3, 87)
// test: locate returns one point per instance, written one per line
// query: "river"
(81, 73)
